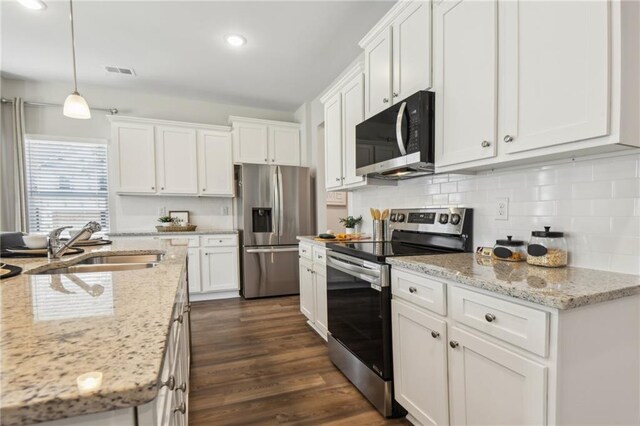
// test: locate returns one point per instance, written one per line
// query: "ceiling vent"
(120, 70)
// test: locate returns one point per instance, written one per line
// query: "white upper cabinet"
(397, 55)
(555, 72)
(465, 80)
(215, 163)
(284, 145)
(134, 154)
(177, 160)
(265, 142)
(412, 50)
(333, 141)
(251, 143)
(352, 115)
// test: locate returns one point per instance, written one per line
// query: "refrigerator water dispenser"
(261, 219)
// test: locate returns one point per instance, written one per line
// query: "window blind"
(66, 184)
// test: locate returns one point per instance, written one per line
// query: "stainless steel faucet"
(56, 248)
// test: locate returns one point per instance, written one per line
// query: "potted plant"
(350, 223)
(165, 220)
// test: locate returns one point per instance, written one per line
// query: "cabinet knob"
(266, 160)
(453, 344)
(204, 189)
(490, 317)
(337, 179)
(435, 334)
(179, 318)
(219, 241)
(508, 138)
(187, 308)
(162, 188)
(170, 383)
(182, 387)
(485, 144)
(182, 408)
(412, 290)
(153, 187)
(273, 160)
(385, 100)
(395, 94)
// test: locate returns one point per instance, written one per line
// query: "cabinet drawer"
(514, 323)
(319, 255)
(305, 252)
(219, 240)
(177, 240)
(424, 292)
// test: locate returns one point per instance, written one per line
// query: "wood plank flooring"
(257, 362)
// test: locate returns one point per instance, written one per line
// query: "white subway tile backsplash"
(596, 202)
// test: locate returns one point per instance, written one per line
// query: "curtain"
(13, 207)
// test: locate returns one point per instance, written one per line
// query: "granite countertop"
(561, 288)
(149, 233)
(57, 327)
(311, 240)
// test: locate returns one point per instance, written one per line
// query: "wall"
(133, 212)
(594, 200)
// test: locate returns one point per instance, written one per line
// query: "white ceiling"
(294, 50)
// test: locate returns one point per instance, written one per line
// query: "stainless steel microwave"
(398, 143)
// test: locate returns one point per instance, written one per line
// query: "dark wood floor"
(258, 363)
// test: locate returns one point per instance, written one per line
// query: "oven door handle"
(365, 274)
(403, 151)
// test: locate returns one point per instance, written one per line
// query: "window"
(66, 183)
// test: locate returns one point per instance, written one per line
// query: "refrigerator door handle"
(276, 203)
(280, 203)
(272, 250)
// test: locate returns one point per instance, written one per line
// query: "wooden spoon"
(385, 214)
(373, 212)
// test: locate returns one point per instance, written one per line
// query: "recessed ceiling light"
(235, 40)
(33, 4)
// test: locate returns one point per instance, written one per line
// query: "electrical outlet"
(502, 208)
(162, 211)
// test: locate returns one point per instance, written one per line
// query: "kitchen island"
(58, 327)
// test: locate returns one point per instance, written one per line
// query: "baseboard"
(199, 297)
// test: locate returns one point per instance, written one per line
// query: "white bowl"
(35, 241)
(74, 232)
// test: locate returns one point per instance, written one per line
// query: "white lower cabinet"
(220, 266)
(420, 357)
(313, 287)
(490, 359)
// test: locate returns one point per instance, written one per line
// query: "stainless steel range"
(359, 294)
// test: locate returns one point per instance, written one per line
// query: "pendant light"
(75, 106)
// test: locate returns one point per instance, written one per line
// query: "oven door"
(359, 310)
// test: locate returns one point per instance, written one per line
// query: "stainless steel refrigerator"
(274, 205)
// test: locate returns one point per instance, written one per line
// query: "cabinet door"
(420, 363)
(412, 50)
(352, 115)
(465, 80)
(135, 153)
(215, 163)
(284, 146)
(333, 142)
(177, 160)
(307, 292)
(377, 63)
(250, 143)
(555, 72)
(320, 289)
(195, 280)
(219, 269)
(491, 385)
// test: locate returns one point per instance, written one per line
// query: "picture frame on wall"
(337, 198)
(183, 215)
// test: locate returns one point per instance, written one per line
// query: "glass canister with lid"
(547, 248)
(510, 250)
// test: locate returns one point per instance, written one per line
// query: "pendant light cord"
(73, 48)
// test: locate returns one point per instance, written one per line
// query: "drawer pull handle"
(453, 344)
(219, 241)
(182, 387)
(435, 334)
(182, 408)
(490, 317)
(413, 290)
(187, 308)
(179, 318)
(170, 383)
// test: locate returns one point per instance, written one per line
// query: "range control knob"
(393, 217)
(443, 219)
(400, 217)
(455, 219)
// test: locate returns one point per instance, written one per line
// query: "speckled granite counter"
(312, 240)
(561, 288)
(160, 234)
(57, 327)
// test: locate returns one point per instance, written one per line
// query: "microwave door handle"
(403, 151)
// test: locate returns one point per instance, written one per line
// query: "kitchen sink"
(111, 263)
